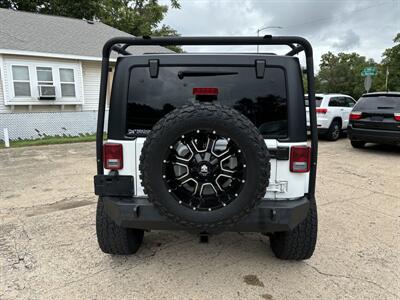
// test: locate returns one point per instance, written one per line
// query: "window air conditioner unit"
(47, 92)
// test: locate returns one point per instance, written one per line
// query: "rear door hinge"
(154, 65)
(277, 186)
(260, 68)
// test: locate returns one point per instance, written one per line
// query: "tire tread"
(114, 239)
(299, 243)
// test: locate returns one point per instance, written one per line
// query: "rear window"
(263, 101)
(318, 100)
(378, 102)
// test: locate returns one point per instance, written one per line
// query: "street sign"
(367, 83)
(369, 71)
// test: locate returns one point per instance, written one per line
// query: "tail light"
(355, 115)
(321, 110)
(300, 159)
(205, 91)
(397, 116)
(113, 157)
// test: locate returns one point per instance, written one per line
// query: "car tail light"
(355, 115)
(300, 159)
(321, 110)
(205, 91)
(113, 157)
(397, 116)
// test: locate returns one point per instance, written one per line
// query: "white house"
(50, 73)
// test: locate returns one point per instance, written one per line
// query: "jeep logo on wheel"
(204, 169)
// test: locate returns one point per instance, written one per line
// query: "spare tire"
(204, 166)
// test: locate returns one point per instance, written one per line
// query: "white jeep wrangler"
(207, 143)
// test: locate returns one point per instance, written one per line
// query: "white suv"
(333, 111)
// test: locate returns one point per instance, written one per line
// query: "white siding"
(5, 65)
(3, 108)
(40, 119)
(91, 84)
(87, 82)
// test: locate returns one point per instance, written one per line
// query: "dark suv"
(375, 119)
(207, 143)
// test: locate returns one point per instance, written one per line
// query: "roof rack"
(121, 48)
(297, 45)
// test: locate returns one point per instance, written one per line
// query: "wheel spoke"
(201, 150)
(220, 178)
(225, 154)
(223, 169)
(180, 158)
(227, 172)
(207, 184)
(189, 179)
(211, 144)
(184, 165)
(183, 178)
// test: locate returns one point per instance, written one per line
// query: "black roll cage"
(297, 45)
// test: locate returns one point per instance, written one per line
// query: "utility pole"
(261, 29)
(387, 78)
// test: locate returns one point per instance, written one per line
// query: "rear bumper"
(373, 135)
(268, 216)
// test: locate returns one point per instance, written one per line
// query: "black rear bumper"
(373, 135)
(268, 216)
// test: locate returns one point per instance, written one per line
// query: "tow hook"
(204, 237)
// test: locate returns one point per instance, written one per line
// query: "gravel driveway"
(48, 247)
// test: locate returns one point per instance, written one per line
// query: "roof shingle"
(25, 31)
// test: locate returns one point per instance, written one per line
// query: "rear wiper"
(183, 74)
(385, 107)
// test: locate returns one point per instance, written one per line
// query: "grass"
(50, 140)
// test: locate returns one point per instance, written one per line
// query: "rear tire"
(357, 144)
(299, 243)
(114, 239)
(334, 131)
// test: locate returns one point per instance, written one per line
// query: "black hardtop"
(124, 84)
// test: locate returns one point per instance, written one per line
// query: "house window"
(21, 81)
(67, 81)
(43, 82)
(44, 75)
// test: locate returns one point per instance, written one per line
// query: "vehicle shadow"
(379, 148)
(183, 251)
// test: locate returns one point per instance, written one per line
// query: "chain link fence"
(41, 124)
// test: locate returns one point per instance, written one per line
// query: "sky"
(364, 26)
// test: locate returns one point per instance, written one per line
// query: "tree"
(341, 73)
(137, 17)
(391, 63)
(67, 8)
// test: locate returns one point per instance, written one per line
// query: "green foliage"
(51, 140)
(137, 17)
(390, 62)
(341, 73)
(67, 8)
